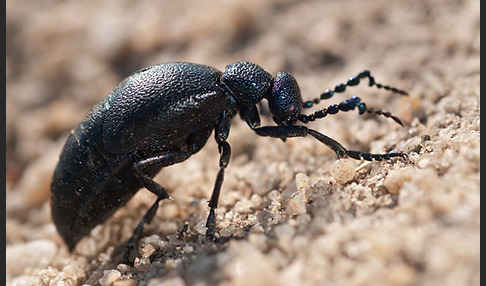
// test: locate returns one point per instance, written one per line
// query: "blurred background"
(65, 56)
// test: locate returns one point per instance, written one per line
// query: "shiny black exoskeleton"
(161, 115)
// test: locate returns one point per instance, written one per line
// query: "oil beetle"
(161, 115)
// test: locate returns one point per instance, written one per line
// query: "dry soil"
(290, 213)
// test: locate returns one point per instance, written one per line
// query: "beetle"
(162, 115)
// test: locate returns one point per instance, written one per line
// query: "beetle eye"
(285, 101)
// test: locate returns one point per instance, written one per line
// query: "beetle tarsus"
(131, 251)
(211, 226)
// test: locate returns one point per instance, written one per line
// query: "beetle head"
(285, 101)
(248, 82)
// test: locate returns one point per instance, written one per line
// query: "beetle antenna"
(352, 81)
(347, 105)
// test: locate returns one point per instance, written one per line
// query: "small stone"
(147, 250)
(284, 231)
(168, 227)
(129, 282)
(257, 228)
(155, 240)
(73, 272)
(172, 263)
(285, 234)
(175, 281)
(200, 227)
(170, 211)
(258, 240)
(402, 275)
(35, 183)
(274, 195)
(396, 178)
(243, 206)
(242, 270)
(25, 280)
(256, 200)
(343, 171)
(109, 276)
(123, 268)
(34, 254)
(302, 182)
(87, 246)
(188, 249)
(296, 205)
(291, 275)
(142, 264)
(59, 117)
(423, 163)
(47, 275)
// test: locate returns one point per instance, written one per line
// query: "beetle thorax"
(247, 82)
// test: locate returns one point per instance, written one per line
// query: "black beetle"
(161, 115)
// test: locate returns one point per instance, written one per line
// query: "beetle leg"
(225, 154)
(147, 218)
(302, 131)
(221, 134)
(157, 162)
(250, 115)
(154, 187)
(358, 155)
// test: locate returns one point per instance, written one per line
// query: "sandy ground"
(290, 213)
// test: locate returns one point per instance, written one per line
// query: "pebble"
(296, 205)
(396, 178)
(147, 250)
(302, 182)
(402, 275)
(156, 241)
(343, 171)
(109, 276)
(142, 264)
(243, 206)
(34, 254)
(175, 281)
(129, 282)
(242, 270)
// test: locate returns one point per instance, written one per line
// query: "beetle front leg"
(250, 115)
(221, 134)
(283, 132)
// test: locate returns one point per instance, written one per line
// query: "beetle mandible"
(163, 114)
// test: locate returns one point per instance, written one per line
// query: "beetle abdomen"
(84, 190)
